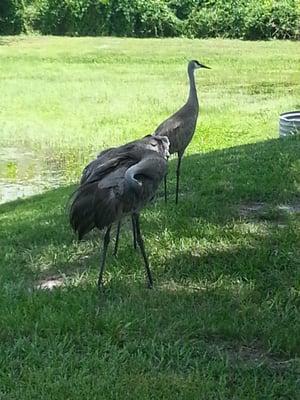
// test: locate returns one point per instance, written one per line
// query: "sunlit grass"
(100, 91)
(223, 319)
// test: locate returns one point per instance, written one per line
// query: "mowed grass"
(223, 320)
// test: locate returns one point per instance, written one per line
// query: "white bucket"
(289, 123)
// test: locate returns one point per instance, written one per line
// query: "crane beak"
(204, 66)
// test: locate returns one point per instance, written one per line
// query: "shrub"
(142, 18)
(71, 17)
(10, 17)
(156, 19)
(216, 18)
(257, 17)
(272, 19)
(183, 8)
(248, 19)
(285, 19)
(251, 19)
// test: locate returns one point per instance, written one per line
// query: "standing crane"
(103, 157)
(180, 127)
(120, 186)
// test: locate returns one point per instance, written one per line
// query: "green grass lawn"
(223, 321)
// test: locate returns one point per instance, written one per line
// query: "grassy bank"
(223, 319)
(95, 91)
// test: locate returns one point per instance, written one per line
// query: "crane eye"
(153, 144)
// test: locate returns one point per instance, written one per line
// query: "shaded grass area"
(223, 319)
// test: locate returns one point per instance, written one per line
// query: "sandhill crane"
(180, 127)
(120, 186)
(103, 157)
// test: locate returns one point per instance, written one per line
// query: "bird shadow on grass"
(214, 188)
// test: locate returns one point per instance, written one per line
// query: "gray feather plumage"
(180, 127)
(107, 192)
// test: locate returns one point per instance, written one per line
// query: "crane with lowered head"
(122, 185)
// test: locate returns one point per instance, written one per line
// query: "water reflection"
(25, 172)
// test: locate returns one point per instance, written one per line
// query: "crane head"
(197, 65)
(160, 144)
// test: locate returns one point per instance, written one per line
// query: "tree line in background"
(246, 19)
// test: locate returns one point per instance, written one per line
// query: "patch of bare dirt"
(256, 356)
(250, 208)
(290, 208)
(250, 356)
(50, 283)
(265, 211)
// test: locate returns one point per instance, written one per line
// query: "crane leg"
(104, 251)
(133, 231)
(140, 242)
(117, 238)
(118, 235)
(165, 185)
(177, 176)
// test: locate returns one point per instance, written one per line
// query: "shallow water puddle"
(25, 172)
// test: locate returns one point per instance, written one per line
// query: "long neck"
(192, 99)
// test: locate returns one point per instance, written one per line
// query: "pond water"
(25, 172)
